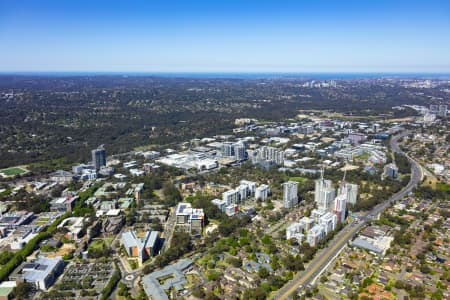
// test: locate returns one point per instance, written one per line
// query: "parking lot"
(82, 280)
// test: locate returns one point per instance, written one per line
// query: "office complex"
(190, 219)
(99, 157)
(234, 150)
(42, 272)
(239, 151)
(171, 277)
(140, 247)
(391, 170)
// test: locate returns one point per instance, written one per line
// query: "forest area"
(53, 122)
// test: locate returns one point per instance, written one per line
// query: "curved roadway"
(322, 259)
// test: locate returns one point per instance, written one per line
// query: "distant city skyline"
(229, 36)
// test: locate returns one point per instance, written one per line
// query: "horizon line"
(136, 73)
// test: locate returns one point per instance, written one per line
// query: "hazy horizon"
(235, 75)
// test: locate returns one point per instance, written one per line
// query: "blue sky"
(225, 36)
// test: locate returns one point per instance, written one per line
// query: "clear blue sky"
(225, 36)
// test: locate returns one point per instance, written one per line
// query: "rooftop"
(40, 268)
(156, 290)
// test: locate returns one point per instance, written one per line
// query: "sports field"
(12, 171)
(298, 179)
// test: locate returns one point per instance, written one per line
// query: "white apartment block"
(239, 151)
(244, 191)
(262, 192)
(290, 198)
(316, 214)
(307, 223)
(251, 185)
(231, 196)
(328, 221)
(295, 230)
(340, 207)
(272, 154)
(315, 234)
(350, 191)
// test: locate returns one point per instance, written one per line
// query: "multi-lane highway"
(322, 259)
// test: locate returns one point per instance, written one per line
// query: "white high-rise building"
(271, 154)
(290, 198)
(324, 194)
(251, 185)
(439, 110)
(279, 158)
(262, 192)
(328, 196)
(429, 118)
(350, 191)
(442, 111)
(244, 191)
(99, 157)
(239, 151)
(434, 109)
(227, 149)
(340, 207)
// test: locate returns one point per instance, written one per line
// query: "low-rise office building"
(140, 247)
(190, 219)
(41, 272)
(391, 170)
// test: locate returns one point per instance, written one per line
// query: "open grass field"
(445, 187)
(108, 240)
(100, 243)
(298, 179)
(12, 171)
(97, 244)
